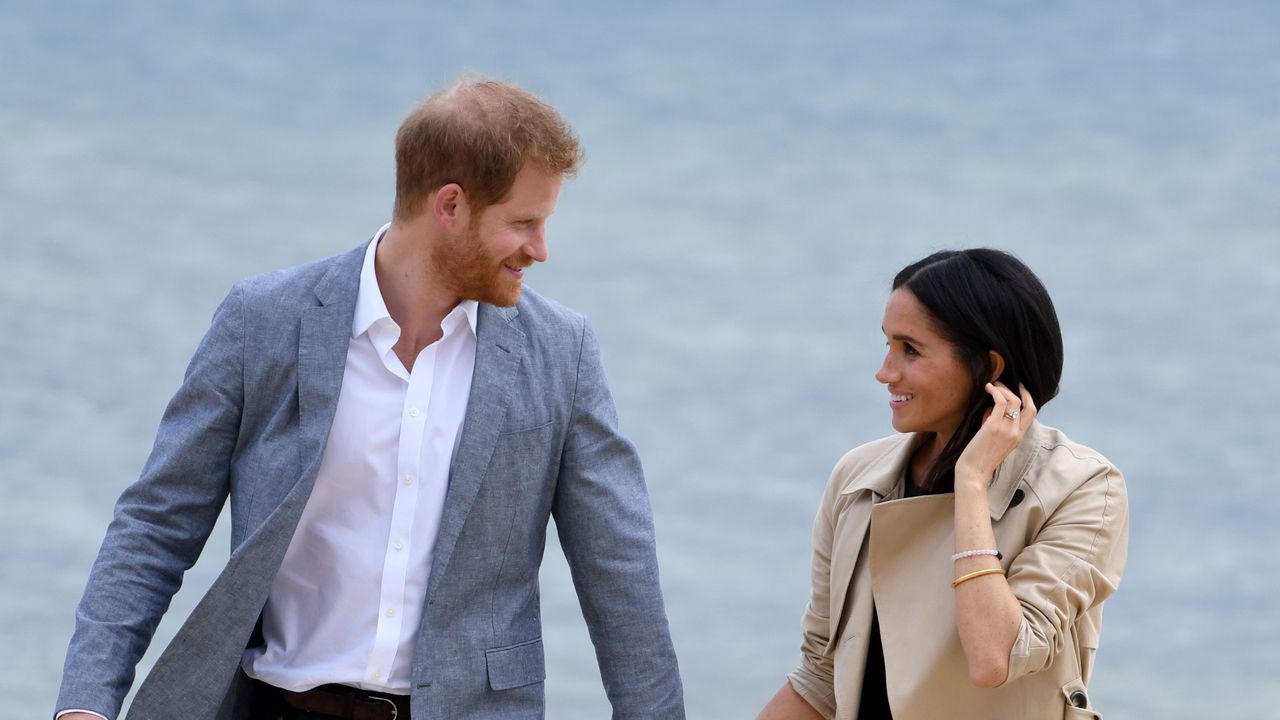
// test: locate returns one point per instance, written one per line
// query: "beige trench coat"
(1060, 515)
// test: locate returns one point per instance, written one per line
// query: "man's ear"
(996, 362)
(449, 205)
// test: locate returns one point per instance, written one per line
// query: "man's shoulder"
(300, 283)
(544, 315)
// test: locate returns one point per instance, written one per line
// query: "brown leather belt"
(342, 701)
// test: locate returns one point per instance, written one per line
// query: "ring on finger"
(1012, 414)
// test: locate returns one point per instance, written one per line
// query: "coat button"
(1017, 497)
(1078, 699)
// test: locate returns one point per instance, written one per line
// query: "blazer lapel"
(499, 347)
(195, 670)
(323, 339)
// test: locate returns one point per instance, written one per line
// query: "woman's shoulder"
(1063, 466)
(1056, 445)
(873, 455)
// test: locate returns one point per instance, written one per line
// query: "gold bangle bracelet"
(974, 574)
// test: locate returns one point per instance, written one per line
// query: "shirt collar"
(371, 309)
(463, 311)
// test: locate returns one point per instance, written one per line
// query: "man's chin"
(501, 297)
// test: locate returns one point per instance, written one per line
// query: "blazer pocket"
(537, 425)
(517, 665)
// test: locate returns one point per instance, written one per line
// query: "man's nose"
(536, 248)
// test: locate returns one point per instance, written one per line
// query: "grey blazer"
(250, 422)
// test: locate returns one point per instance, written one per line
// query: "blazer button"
(1078, 699)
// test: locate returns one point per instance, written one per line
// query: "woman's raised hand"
(1002, 429)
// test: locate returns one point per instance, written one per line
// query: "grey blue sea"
(757, 173)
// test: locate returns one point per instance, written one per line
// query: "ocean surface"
(757, 173)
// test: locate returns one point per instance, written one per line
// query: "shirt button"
(399, 545)
(413, 412)
(376, 675)
(408, 479)
(391, 612)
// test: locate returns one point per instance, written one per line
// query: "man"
(393, 426)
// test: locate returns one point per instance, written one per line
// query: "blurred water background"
(758, 172)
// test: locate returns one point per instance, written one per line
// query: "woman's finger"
(1010, 396)
(999, 399)
(1007, 405)
(1029, 409)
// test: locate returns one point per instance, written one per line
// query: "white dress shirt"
(345, 605)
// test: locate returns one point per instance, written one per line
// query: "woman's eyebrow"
(906, 338)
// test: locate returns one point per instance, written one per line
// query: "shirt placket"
(395, 566)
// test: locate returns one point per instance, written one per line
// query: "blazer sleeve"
(1072, 566)
(161, 522)
(814, 679)
(605, 524)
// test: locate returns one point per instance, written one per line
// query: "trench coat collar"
(882, 475)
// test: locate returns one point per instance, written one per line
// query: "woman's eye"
(909, 349)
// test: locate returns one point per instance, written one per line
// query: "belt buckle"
(395, 711)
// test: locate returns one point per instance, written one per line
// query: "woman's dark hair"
(980, 300)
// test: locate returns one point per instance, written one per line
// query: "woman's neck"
(923, 458)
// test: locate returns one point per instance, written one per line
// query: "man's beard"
(468, 271)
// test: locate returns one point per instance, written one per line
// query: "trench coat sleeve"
(814, 679)
(1074, 562)
(161, 522)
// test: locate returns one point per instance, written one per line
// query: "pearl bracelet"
(972, 553)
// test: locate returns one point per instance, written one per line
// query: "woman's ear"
(995, 361)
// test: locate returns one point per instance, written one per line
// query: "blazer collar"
(882, 474)
(341, 283)
(322, 353)
(505, 314)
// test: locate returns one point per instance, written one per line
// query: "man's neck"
(402, 262)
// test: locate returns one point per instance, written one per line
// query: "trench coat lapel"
(879, 480)
(910, 570)
(1014, 468)
(854, 506)
(499, 347)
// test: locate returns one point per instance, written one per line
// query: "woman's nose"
(884, 375)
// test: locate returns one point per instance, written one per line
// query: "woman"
(959, 568)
